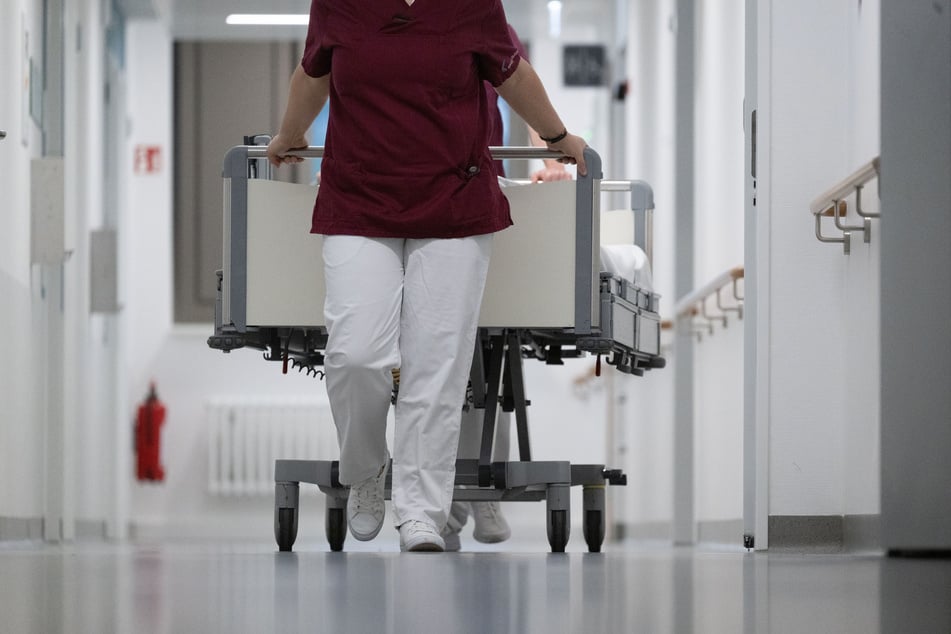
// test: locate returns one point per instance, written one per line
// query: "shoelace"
(416, 527)
(368, 496)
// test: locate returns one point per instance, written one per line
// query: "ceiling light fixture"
(554, 18)
(267, 19)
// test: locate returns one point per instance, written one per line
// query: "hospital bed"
(546, 298)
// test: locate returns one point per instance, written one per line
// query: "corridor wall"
(818, 99)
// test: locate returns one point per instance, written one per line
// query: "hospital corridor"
(710, 377)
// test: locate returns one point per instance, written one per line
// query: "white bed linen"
(627, 261)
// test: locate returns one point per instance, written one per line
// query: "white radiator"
(247, 434)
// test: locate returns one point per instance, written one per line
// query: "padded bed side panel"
(531, 276)
(285, 267)
(531, 281)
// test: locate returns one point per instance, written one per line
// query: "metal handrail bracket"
(845, 238)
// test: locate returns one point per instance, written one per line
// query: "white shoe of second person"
(416, 536)
(366, 506)
(450, 538)
(458, 514)
(490, 524)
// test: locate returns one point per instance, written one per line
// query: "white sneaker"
(490, 524)
(418, 536)
(366, 506)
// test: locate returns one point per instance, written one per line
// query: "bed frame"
(545, 298)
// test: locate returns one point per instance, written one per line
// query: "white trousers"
(413, 305)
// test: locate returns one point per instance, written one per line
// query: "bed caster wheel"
(593, 527)
(286, 500)
(285, 528)
(558, 498)
(558, 530)
(335, 525)
(594, 530)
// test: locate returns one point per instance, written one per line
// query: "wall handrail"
(693, 305)
(846, 186)
(832, 203)
(688, 302)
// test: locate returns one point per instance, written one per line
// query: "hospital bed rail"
(607, 315)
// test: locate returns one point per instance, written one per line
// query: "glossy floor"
(248, 587)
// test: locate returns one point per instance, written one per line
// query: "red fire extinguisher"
(148, 423)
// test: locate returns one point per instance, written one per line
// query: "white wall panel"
(21, 431)
(718, 235)
(809, 120)
(823, 357)
(862, 294)
(649, 148)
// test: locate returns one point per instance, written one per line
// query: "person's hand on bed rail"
(278, 148)
(572, 146)
(553, 171)
(306, 99)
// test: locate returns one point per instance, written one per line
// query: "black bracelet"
(554, 139)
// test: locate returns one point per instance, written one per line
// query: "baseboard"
(643, 531)
(862, 532)
(91, 529)
(824, 533)
(805, 533)
(19, 528)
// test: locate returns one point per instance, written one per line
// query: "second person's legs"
(490, 523)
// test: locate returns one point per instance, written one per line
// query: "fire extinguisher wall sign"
(148, 424)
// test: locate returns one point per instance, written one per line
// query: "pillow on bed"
(628, 261)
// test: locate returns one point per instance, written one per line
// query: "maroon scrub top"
(406, 154)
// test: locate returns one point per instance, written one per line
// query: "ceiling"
(205, 19)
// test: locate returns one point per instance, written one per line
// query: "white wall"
(90, 362)
(186, 372)
(823, 335)
(21, 438)
(64, 480)
(862, 273)
(823, 356)
(650, 153)
(718, 230)
(718, 235)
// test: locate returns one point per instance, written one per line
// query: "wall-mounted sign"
(147, 159)
(585, 65)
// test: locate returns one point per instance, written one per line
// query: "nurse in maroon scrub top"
(407, 205)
